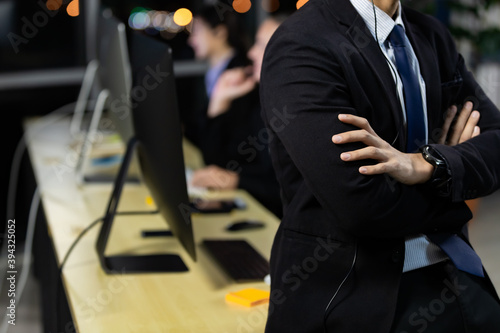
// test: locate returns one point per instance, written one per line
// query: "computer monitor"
(158, 143)
(115, 74)
(114, 81)
(91, 10)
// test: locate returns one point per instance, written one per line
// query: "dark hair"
(236, 34)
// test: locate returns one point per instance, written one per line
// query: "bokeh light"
(183, 17)
(301, 3)
(53, 4)
(73, 8)
(242, 6)
(170, 24)
(158, 20)
(139, 20)
(154, 22)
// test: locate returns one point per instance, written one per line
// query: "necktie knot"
(397, 36)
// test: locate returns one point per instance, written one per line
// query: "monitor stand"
(120, 264)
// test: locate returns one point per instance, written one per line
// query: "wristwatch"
(441, 177)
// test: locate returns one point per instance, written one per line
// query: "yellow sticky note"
(248, 297)
(149, 201)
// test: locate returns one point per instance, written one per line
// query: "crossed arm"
(406, 168)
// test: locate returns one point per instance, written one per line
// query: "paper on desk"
(248, 297)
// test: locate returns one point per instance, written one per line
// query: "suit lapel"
(367, 46)
(370, 51)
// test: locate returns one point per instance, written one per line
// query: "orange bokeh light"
(183, 17)
(73, 8)
(53, 4)
(242, 6)
(301, 3)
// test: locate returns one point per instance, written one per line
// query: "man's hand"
(406, 168)
(465, 126)
(214, 177)
(233, 83)
(464, 129)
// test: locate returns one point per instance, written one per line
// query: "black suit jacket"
(321, 62)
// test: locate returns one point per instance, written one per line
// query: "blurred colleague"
(219, 39)
(235, 141)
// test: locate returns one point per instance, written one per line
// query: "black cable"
(84, 231)
(327, 312)
(26, 261)
(61, 112)
(59, 271)
(375, 16)
(73, 245)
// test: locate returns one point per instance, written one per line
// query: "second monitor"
(158, 143)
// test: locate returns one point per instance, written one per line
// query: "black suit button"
(397, 256)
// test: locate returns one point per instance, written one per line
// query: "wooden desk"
(168, 302)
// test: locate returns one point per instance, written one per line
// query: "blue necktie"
(411, 90)
(460, 253)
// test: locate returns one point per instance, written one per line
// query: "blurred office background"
(44, 50)
(45, 46)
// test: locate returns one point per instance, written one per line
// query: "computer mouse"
(244, 225)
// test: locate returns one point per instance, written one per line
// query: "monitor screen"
(115, 73)
(111, 118)
(157, 144)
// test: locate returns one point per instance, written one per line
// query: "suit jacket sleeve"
(311, 84)
(474, 164)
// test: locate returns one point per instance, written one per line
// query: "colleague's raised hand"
(232, 84)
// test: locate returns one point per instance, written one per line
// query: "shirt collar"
(213, 74)
(385, 23)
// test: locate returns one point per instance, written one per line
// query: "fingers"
(364, 154)
(476, 132)
(215, 177)
(390, 160)
(376, 147)
(356, 121)
(450, 115)
(470, 127)
(366, 134)
(206, 177)
(357, 136)
(459, 126)
(232, 76)
(376, 169)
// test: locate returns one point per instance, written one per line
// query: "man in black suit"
(373, 178)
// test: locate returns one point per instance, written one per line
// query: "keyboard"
(238, 259)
